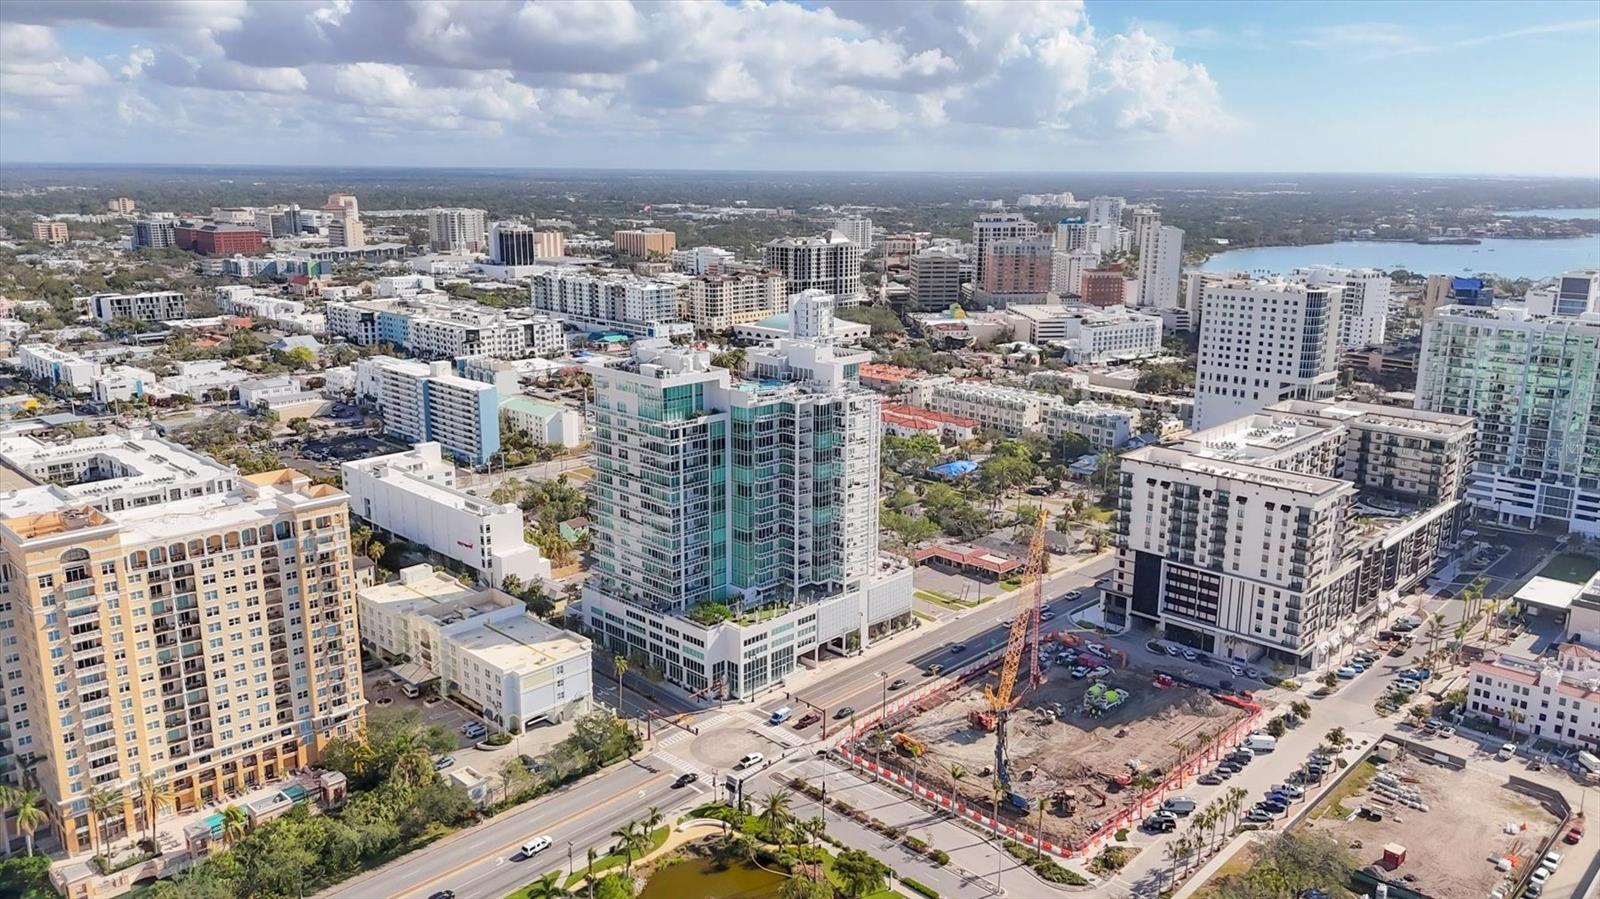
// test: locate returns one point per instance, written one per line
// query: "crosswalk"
(679, 764)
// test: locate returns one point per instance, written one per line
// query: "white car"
(536, 845)
(1073, 594)
(1189, 656)
(1079, 671)
(1099, 671)
(751, 760)
(1347, 672)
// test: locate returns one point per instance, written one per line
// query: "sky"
(871, 85)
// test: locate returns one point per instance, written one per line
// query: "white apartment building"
(430, 326)
(1067, 268)
(721, 302)
(413, 494)
(1533, 383)
(1262, 342)
(609, 302)
(201, 377)
(857, 230)
(290, 315)
(1284, 533)
(152, 306)
(126, 383)
(936, 278)
(993, 226)
(481, 647)
(1089, 334)
(1009, 410)
(1160, 264)
(1574, 293)
(1364, 307)
(458, 230)
(714, 490)
(427, 401)
(1106, 427)
(1076, 234)
(44, 363)
(703, 261)
(828, 262)
(1555, 699)
(1106, 210)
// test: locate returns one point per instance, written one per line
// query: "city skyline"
(1147, 86)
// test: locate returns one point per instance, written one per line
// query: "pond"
(699, 879)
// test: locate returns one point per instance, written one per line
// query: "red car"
(806, 720)
(1575, 834)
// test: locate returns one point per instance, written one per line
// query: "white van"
(1261, 742)
(1589, 761)
(751, 760)
(780, 715)
(536, 845)
(410, 690)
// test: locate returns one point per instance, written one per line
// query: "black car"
(685, 779)
(958, 647)
(1276, 808)
(1160, 825)
(845, 711)
(1230, 767)
(897, 683)
(1222, 773)
(444, 894)
(1241, 757)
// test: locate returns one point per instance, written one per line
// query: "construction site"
(1072, 737)
(1087, 748)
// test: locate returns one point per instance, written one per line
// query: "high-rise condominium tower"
(1262, 342)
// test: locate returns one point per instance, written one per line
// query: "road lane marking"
(421, 888)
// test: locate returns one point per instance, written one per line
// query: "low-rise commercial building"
(1105, 427)
(413, 494)
(481, 647)
(545, 423)
(430, 326)
(1010, 410)
(910, 421)
(1088, 334)
(44, 363)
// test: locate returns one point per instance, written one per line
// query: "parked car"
(1158, 823)
(1347, 672)
(1258, 816)
(1174, 651)
(1237, 671)
(1230, 767)
(1179, 805)
(1507, 750)
(1099, 671)
(1072, 594)
(1189, 656)
(1275, 808)
(1155, 647)
(1574, 834)
(1210, 779)
(1223, 773)
(1079, 671)
(443, 762)
(1292, 791)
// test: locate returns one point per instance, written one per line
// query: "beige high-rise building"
(345, 229)
(53, 233)
(120, 205)
(642, 243)
(170, 618)
(550, 245)
(719, 302)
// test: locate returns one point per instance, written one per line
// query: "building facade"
(857, 230)
(992, 226)
(152, 306)
(1364, 301)
(433, 326)
(1283, 534)
(155, 233)
(1160, 264)
(714, 493)
(1533, 383)
(413, 494)
(609, 302)
(421, 401)
(1009, 410)
(829, 263)
(51, 232)
(644, 243)
(720, 302)
(1106, 427)
(1262, 342)
(1014, 270)
(457, 229)
(936, 279)
(170, 618)
(1106, 286)
(513, 244)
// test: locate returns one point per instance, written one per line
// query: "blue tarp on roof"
(955, 469)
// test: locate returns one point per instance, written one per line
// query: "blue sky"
(1500, 88)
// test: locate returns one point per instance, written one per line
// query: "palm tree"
(627, 841)
(619, 664)
(413, 768)
(1236, 799)
(30, 815)
(547, 887)
(775, 815)
(103, 803)
(8, 798)
(234, 824)
(588, 877)
(155, 796)
(1176, 850)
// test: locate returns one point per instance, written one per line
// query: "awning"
(414, 673)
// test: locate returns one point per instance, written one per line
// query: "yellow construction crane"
(1002, 697)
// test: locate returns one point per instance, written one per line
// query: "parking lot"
(384, 693)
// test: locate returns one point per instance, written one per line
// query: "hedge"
(919, 888)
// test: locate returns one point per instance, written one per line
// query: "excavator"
(1023, 640)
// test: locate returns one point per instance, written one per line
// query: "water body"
(1506, 258)
(1591, 213)
(699, 879)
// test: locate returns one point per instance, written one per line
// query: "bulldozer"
(909, 745)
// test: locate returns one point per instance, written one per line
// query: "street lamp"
(569, 859)
(883, 710)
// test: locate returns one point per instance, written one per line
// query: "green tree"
(775, 816)
(375, 551)
(859, 873)
(155, 796)
(548, 886)
(619, 665)
(8, 800)
(803, 885)
(614, 886)
(235, 823)
(29, 806)
(103, 803)
(26, 878)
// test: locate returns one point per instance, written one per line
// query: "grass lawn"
(942, 599)
(1333, 803)
(1574, 568)
(921, 614)
(1238, 863)
(606, 862)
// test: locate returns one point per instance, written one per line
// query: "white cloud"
(685, 70)
(36, 71)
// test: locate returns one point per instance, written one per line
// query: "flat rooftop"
(521, 644)
(1240, 471)
(412, 593)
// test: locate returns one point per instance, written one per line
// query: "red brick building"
(1104, 286)
(212, 239)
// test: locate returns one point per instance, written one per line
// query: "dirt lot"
(1451, 847)
(1154, 728)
